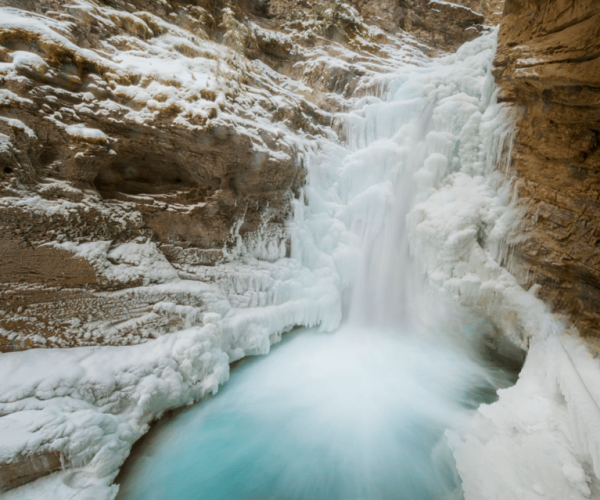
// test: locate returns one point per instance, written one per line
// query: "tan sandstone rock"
(439, 25)
(548, 65)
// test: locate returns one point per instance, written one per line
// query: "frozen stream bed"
(353, 414)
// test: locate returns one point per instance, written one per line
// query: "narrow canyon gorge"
(404, 193)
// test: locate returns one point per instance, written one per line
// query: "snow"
(48, 34)
(7, 97)
(452, 4)
(93, 403)
(29, 62)
(19, 125)
(86, 133)
(125, 263)
(169, 79)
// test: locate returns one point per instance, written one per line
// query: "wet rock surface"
(548, 65)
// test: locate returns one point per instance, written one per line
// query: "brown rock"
(28, 469)
(548, 65)
(441, 26)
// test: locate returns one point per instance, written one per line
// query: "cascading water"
(388, 283)
(359, 413)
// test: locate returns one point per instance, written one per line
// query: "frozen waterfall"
(406, 313)
(360, 413)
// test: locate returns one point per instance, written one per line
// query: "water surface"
(353, 414)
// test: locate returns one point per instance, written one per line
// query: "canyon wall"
(100, 148)
(548, 66)
(143, 142)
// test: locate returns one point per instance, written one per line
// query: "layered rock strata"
(548, 65)
(167, 131)
(441, 26)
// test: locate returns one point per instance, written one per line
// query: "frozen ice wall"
(414, 192)
(359, 413)
(417, 209)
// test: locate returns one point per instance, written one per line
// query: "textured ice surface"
(533, 443)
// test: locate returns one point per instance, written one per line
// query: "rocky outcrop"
(439, 25)
(142, 142)
(548, 65)
(28, 469)
(491, 10)
(97, 146)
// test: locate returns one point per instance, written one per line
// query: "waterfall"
(360, 412)
(399, 271)
(399, 256)
(412, 206)
(388, 282)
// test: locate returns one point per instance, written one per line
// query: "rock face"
(142, 142)
(548, 65)
(443, 26)
(29, 469)
(94, 150)
(491, 10)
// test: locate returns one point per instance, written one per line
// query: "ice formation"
(437, 123)
(539, 440)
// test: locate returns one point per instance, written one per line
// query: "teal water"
(326, 416)
(360, 414)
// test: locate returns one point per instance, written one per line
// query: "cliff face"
(101, 145)
(548, 65)
(443, 26)
(439, 26)
(146, 141)
(143, 141)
